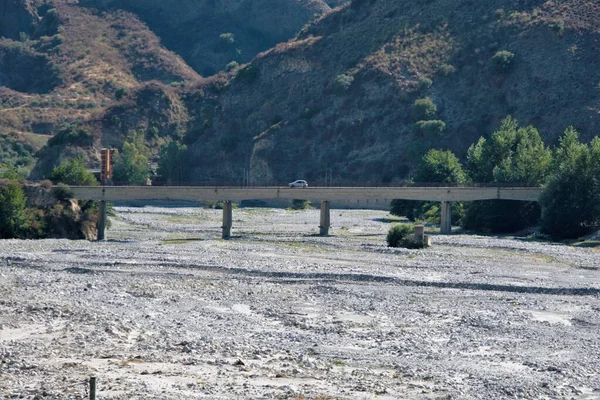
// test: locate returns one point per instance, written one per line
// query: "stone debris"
(165, 309)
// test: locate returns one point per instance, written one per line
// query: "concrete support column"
(446, 223)
(420, 232)
(102, 221)
(325, 219)
(227, 219)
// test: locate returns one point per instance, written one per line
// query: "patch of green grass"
(338, 363)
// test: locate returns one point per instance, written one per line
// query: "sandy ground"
(166, 309)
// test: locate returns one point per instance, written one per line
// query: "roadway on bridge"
(366, 195)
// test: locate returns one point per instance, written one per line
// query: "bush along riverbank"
(38, 211)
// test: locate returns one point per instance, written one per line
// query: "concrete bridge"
(351, 197)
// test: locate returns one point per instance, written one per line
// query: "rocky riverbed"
(165, 309)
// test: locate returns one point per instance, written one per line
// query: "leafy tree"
(131, 164)
(425, 83)
(9, 172)
(73, 172)
(424, 109)
(172, 163)
(437, 166)
(571, 200)
(440, 166)
(232, 66)
(431, 128)
(227, 38)
(512, 155)
(342, 83)
(503, 60)
(12, 208)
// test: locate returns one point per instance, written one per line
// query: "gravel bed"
(166, 309)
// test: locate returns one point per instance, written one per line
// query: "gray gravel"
(167, 310)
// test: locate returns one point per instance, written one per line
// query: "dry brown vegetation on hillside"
(337, 100)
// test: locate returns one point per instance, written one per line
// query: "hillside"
(68, 62)
(337, 100)
(209, 34)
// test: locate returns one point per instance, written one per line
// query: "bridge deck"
(381, 195)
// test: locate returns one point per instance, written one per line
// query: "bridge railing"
(317, 184)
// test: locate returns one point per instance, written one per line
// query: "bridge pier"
(446, 223)
(325, 219)
(227, 219)
(102, 221)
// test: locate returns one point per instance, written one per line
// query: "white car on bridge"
(299, 183)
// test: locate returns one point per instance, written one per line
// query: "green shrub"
(398, 235)
(431, 128)
(571, 200)
(503, 60)
(10, 173)
(227, 38)
(62, 192)
(298, 204)
(232, 66)
(412, 242)
(342, 83)
(73, 172)
(558, 26)
(425, 83)
(218, 205)
(447, 69)
(58, 39)
(34, 225)
(12, 207)
(423, 109)
(131, 164)
(120, 93)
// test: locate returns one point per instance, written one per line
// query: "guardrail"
(379, 195)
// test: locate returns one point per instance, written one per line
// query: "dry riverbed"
(165, 309)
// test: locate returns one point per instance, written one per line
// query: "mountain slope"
(209, 34)
(69, 64)
(339, 99)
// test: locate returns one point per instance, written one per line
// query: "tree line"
(569, 206)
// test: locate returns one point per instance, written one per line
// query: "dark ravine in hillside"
(17, 16)
(192, 28)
